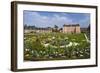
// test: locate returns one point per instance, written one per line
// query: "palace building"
(72, 28)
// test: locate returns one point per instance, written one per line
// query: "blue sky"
(49, 19)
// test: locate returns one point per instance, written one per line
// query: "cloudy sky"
(49, 19)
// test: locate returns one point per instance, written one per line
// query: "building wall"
(71, 29)
(78, 29)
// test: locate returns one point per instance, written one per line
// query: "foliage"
(52, 46)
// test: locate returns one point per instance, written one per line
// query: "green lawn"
(55, 46)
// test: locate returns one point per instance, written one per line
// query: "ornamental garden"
(56, 44)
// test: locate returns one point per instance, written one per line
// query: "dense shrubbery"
(52, 46)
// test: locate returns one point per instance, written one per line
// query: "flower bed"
(55, 46)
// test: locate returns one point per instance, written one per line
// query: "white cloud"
(45, 21)
(49, 20)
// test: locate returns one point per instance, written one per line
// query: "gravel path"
(86, 38)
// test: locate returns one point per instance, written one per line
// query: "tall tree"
(56, 28)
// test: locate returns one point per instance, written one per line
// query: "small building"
(71, 28)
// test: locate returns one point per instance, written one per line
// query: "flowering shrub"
(54, 46)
